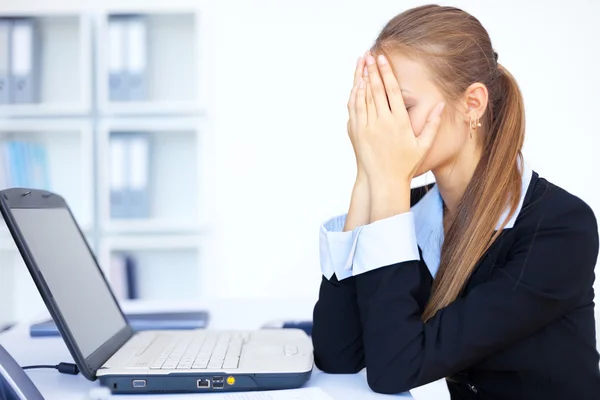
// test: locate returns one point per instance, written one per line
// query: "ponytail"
(495, 185)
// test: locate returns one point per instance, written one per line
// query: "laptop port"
(203, 383)
(218, 379)
(138, 383)
(218, 385)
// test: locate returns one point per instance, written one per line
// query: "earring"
(474, 124)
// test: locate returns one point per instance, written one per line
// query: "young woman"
(484, 278)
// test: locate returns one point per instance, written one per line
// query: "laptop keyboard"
(197, 350)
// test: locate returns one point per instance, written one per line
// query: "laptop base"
(201, 382)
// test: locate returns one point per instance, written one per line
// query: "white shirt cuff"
(334, 247)
(386, 242)
(366, 248)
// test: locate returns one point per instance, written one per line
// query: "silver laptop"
(101, 341)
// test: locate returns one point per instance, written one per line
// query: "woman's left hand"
(391, 151)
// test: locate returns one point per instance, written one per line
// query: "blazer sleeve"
(337, 330)
(337, 333)
(550, 266)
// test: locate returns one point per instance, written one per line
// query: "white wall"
(279, 79)
(283, 74)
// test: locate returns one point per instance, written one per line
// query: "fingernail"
(365, 71)
(361, 84)
(370, 60)
(382, 60)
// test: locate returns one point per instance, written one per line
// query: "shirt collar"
(429, 217)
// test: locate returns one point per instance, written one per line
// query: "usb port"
(218, 379)
(203, 383)
(138, 383)
(218, 385)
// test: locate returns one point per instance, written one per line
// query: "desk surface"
(224, 314)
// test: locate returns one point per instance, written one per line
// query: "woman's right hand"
(353, 130)
(359, 212)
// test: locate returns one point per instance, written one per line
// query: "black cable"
(63, 368)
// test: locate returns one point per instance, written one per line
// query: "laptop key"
(231, 362)
(168, 365)
(185, 365)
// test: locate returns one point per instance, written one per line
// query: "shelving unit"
(68, 145)
(171, 60)
(158, 260)
(65, 56)
(174, 181)
(75, 120)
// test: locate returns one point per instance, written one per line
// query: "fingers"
(425, 139)
(371, 107)
(361, 104)
(360, 65)
(377, 87)
(391, 85)
(352, 105)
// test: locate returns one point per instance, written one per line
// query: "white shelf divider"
(65, 80)
(69, 151)
(175, 182)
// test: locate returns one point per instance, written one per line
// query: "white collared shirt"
(395, 239)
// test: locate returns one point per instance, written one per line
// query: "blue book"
(43, 162)
(13, 162)
(179, 320)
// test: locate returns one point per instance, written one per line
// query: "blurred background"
(201, 143)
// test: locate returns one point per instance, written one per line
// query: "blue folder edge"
(179, 320)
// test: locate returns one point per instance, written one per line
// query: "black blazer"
(523, 327)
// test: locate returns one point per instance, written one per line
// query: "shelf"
(167, 268)
(63, 60)
(68, 159)
(173, 179)
(150, 226)
(161, 56)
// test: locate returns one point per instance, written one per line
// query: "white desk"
(225, 314)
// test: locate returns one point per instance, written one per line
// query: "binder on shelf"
(24, 47)
(139, 169)
(129, 175)
(119, 171)
(136, 61)
(132, 278)
(5, 53)
(123, 276)
(117, 89)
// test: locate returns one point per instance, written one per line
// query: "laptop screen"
(67, 266)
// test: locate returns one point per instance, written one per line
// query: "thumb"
(432, 125)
